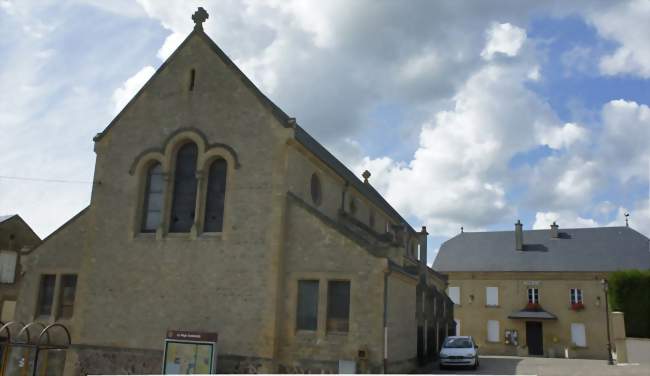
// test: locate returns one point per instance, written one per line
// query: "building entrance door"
(534, 337)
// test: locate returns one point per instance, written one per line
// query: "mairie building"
(214, 211)
(539, 292)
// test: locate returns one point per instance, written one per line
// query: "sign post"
(188, 352)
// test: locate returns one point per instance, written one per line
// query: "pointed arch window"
(216, 195)
(184, 200)
(153, 199)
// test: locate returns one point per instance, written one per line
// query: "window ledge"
(145, 235)
(306, 332)
(212, 235)
(492, 306)
(337, 334)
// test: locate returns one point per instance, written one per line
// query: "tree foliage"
(629, 292)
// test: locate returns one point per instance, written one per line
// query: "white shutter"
(457, 327)
(8, 266)
(492, 296)
(454, 294)
(578, 335)
(493, 330)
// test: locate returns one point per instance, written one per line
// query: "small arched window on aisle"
(153, 199)
(316, 190)
(184, 200)
(216, 196)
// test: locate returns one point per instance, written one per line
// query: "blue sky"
(467, 114)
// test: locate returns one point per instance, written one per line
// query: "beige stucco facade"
(473, 312)
(241, 282)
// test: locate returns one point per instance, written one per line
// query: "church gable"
(197, 80)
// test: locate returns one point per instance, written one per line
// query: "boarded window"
(8, 260)
(576, 296)
(454, 294)
(578, 336)
(184, 201)
(153, 199)
(68, 291)
(216, 196)
(338, 306)
(46, 295)
(493, 331)
(316, 190)
(492, 296)
(307, 313)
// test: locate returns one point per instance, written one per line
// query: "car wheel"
(441, 367)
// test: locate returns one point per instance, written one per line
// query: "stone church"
(214, 211)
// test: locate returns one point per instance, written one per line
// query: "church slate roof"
(578, 249)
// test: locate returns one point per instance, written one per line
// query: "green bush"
(629, 292)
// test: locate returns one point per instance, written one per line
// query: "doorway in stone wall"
(534, 338)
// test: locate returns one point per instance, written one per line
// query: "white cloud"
(562, 137)
(172, 42)
(460, 167)
(624, 142)
(564, 219)
(639, 218)
(503, 38)
(627, 23)
(122, 95)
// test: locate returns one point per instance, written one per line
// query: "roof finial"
(626, 217)
(199, 18)
(366, 175)
(461, 229)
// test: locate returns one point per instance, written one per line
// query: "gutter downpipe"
(385, 362)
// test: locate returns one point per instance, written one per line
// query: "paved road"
(510, 365)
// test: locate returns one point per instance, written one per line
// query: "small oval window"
(316, 192)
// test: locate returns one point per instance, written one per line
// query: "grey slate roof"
(578, 249)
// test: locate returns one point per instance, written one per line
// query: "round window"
(315, 189)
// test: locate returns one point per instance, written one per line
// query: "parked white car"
(459, 351)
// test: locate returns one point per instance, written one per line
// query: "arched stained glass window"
(184, 200)
(216, 195)
(153, 199)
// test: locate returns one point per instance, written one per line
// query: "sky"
(468, 114)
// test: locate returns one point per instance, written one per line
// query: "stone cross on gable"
(199, 18)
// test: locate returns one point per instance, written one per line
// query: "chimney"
(423, 244)
(519, 236)
(554, 232)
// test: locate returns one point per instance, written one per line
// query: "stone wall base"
(87, 359)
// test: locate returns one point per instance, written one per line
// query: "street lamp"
(610, 360)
